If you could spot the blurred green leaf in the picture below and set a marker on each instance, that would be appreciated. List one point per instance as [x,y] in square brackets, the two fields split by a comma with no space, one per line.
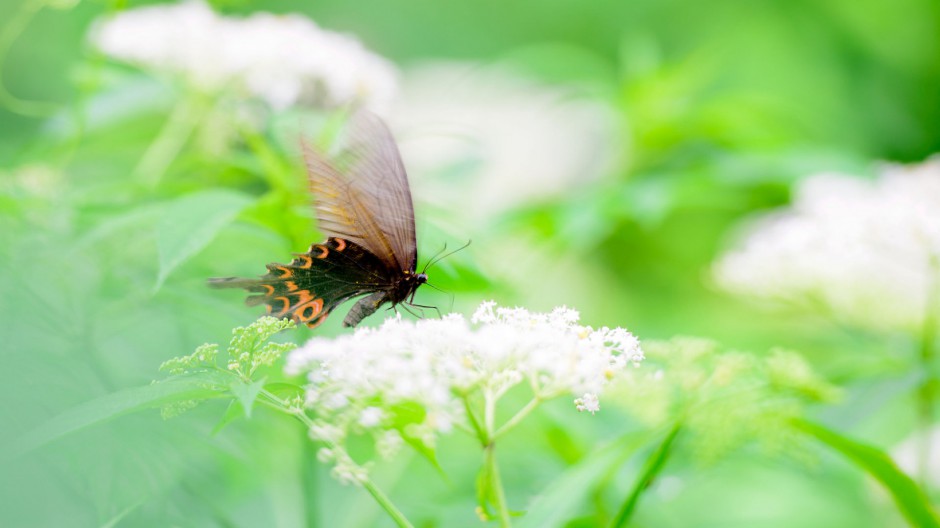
[232,412]
[566,494]
[203,386]
[654,464]
[910,499]
[191,222]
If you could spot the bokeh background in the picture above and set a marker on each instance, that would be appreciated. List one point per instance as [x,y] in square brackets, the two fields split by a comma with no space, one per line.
[599,155]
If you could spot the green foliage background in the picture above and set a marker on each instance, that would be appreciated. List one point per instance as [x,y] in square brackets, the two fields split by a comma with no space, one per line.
[726,104]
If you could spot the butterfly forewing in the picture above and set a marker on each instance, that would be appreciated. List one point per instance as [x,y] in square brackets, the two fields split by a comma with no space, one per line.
[366,198]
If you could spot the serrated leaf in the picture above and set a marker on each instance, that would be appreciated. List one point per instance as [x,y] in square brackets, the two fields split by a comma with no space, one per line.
[190,223]
[246,394]
[910,499]
[110,406]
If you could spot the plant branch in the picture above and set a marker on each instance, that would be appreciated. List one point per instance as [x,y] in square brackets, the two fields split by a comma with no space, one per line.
[925,394]
[497,493]
[170,140]
[519,416]
[380,497]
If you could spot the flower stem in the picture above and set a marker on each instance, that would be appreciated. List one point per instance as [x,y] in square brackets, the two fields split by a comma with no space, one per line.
[512,422]
[654,464]
[271,400]
[927,357]
[170,140]
[497,494]
[386,504]
[8,35]
[472,417]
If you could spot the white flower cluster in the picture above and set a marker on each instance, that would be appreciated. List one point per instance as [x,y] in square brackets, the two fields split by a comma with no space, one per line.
[865,251]
[364,381]
[280,59]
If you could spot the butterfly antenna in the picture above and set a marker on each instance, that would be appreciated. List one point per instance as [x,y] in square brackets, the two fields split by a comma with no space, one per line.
[434,256]
[435,259]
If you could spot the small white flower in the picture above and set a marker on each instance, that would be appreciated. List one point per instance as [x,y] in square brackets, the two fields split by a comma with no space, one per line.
[371,417]
[863,250]
[389,444]
[588,402]
[280,59]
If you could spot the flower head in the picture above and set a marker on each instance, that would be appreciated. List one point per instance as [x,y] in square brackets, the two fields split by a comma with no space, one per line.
[416,377]
[280,59]
[865,251]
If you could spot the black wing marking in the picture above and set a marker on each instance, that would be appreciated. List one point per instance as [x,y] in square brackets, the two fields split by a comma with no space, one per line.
[314,283]
[368,201]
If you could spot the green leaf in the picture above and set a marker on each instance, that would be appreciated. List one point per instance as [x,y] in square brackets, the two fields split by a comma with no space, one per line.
[233,411]
[560,501]
[246,393]
[190,223]
[410,413]
[654,464]
[117,404]
[909,498]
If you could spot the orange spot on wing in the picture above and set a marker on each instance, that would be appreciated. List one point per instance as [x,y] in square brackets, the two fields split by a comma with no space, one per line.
[340,244]
[268,289]
[325,250]
[318,321]
[282,311]
[304,261]
[291,286]
[303,297]
[308,311]
[285,272]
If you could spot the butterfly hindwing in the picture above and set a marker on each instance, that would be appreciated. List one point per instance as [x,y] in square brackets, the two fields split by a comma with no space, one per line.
[314,283]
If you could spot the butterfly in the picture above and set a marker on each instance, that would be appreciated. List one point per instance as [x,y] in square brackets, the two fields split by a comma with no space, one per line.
[363,204]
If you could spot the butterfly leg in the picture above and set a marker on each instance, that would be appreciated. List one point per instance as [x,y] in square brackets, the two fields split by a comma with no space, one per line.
[418,315]
[420,306]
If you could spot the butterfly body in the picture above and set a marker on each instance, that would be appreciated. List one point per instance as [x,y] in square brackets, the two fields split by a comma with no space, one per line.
[366,210]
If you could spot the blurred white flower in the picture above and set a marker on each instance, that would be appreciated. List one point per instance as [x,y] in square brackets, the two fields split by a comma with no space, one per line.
[280,59]
[909,452]
[866,251]
[489,138]
[588,402]
[417,377]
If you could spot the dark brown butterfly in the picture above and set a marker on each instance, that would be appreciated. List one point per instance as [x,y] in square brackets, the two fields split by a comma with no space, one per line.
[363,204]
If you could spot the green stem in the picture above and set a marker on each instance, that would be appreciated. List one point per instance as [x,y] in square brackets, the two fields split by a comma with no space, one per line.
[472,417]
[498,494]
[271,400]
[512,422]
[8,36]
[654,464]
[925,395]
[179,126]
[386,504]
